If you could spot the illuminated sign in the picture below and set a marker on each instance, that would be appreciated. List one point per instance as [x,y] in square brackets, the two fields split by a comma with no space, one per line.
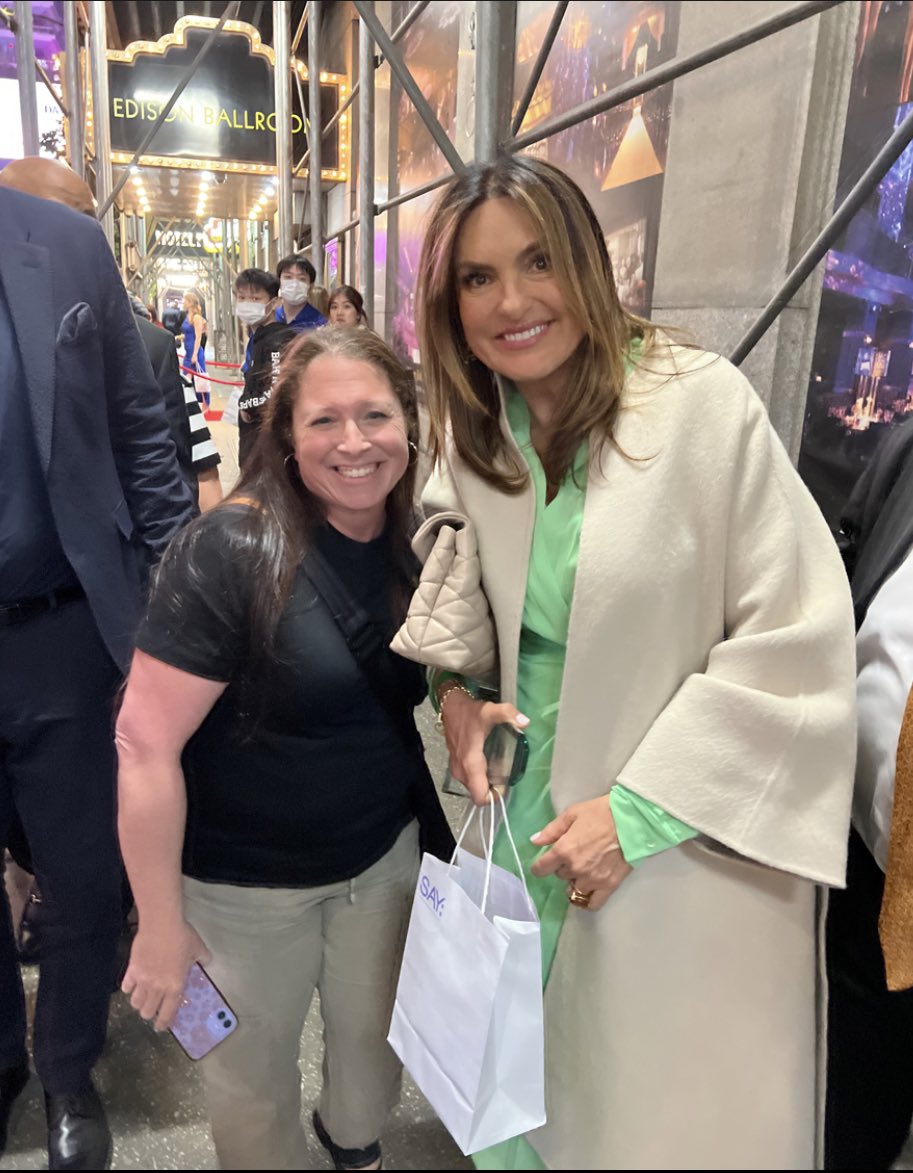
[225,119]
[872,363]
[188,237]
[880,363]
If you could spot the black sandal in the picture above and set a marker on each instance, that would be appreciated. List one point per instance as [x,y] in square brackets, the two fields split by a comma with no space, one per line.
[347,1158]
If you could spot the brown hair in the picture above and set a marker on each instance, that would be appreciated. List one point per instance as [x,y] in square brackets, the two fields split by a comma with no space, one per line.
[286,513]
[351,294]
[319,297]
[461,391]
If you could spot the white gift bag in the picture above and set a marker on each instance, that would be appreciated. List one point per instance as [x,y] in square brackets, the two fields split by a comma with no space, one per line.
[230,411]
[203,388]
[468,1022]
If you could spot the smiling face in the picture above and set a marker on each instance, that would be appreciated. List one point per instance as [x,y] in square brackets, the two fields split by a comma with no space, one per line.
[349,436]
[512,309]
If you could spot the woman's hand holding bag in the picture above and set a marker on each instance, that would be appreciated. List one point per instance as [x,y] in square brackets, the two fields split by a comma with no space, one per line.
[467,722]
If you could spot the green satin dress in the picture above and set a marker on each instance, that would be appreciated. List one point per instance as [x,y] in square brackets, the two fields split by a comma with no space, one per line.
[643,828]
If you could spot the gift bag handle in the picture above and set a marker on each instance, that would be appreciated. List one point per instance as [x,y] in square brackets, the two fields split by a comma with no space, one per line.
[489,848]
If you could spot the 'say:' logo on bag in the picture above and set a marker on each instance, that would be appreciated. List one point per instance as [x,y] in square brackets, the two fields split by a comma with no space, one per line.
[430,893]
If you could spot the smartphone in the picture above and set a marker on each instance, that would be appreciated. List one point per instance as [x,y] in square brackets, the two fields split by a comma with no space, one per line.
[204,1018]
[506,751]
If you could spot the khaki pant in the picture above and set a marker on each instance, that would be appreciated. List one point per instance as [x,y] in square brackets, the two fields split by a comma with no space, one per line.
[271,948]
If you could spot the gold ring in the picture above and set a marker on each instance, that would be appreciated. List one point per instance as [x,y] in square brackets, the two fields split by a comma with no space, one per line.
[581,899]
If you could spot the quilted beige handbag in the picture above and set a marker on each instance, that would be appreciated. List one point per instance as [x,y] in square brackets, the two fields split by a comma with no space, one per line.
[449,624]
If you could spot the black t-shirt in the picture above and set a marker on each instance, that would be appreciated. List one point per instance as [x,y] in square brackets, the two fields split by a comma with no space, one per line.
[321,785]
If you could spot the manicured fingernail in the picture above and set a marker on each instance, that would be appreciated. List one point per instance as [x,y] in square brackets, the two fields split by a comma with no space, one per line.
[521,720]
[535,838]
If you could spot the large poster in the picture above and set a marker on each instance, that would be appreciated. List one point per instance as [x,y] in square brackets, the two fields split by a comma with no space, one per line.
[432,55]
[619,157]
[47,27]
[861,383]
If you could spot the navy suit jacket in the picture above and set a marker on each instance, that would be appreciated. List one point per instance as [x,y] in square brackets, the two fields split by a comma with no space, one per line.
[115,488]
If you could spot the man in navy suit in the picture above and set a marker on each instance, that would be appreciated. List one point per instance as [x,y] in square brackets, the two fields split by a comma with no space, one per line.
[90,494]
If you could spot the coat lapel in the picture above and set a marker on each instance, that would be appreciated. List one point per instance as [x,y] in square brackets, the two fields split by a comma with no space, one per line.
[25,269]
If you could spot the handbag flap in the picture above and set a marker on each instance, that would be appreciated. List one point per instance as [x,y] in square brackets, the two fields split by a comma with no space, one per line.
[449,625]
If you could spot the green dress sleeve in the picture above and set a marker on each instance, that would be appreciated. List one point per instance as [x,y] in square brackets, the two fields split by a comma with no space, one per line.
[438,676]
[644,829]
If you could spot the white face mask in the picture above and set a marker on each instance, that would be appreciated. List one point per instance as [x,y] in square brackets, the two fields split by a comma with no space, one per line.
[251,313]
[294,291]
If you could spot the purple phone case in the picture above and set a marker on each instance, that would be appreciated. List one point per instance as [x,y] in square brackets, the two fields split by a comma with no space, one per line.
[204,1018]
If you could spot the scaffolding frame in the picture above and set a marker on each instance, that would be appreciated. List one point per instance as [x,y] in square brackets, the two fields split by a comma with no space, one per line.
[495,133]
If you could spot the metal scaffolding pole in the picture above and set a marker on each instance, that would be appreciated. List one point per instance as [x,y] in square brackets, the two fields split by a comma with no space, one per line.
[74,93]
[228,330]
[491,110]
[283,84]
[366,165]
[340,232]
[409,84]
[98,54]
[122,220]
[229,14]
[546,48]
[406,23]
[299,32]
[406,196]
[314,137]
[25,71]
[672,70]
[865,185]
[49,86]
[400,31]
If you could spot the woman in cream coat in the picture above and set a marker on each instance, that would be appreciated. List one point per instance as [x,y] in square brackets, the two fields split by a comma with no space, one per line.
[674,623]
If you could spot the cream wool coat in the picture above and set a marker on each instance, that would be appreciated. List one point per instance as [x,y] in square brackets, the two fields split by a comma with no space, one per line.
[711,669]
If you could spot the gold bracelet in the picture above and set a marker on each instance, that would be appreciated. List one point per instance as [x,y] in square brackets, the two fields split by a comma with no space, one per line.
[454,686]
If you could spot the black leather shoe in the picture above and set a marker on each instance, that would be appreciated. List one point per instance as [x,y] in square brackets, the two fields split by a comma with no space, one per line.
[78,1132]
[12,1081]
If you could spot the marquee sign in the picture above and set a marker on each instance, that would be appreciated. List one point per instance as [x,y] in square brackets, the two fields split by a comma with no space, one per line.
[188,236]
[225,119]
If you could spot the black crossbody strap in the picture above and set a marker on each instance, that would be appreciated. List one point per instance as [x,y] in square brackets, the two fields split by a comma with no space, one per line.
[362,637]
[367,648]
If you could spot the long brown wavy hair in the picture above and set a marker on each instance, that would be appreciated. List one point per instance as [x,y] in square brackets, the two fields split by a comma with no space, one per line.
[284,514]
[462,394]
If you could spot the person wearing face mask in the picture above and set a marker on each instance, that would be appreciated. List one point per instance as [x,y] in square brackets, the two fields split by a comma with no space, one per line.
[256,299]
[296,276]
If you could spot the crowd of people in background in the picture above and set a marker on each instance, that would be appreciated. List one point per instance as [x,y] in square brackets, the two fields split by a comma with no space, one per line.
[674,630]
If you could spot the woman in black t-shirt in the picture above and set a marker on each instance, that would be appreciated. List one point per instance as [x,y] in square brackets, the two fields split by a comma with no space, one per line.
[271,787]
